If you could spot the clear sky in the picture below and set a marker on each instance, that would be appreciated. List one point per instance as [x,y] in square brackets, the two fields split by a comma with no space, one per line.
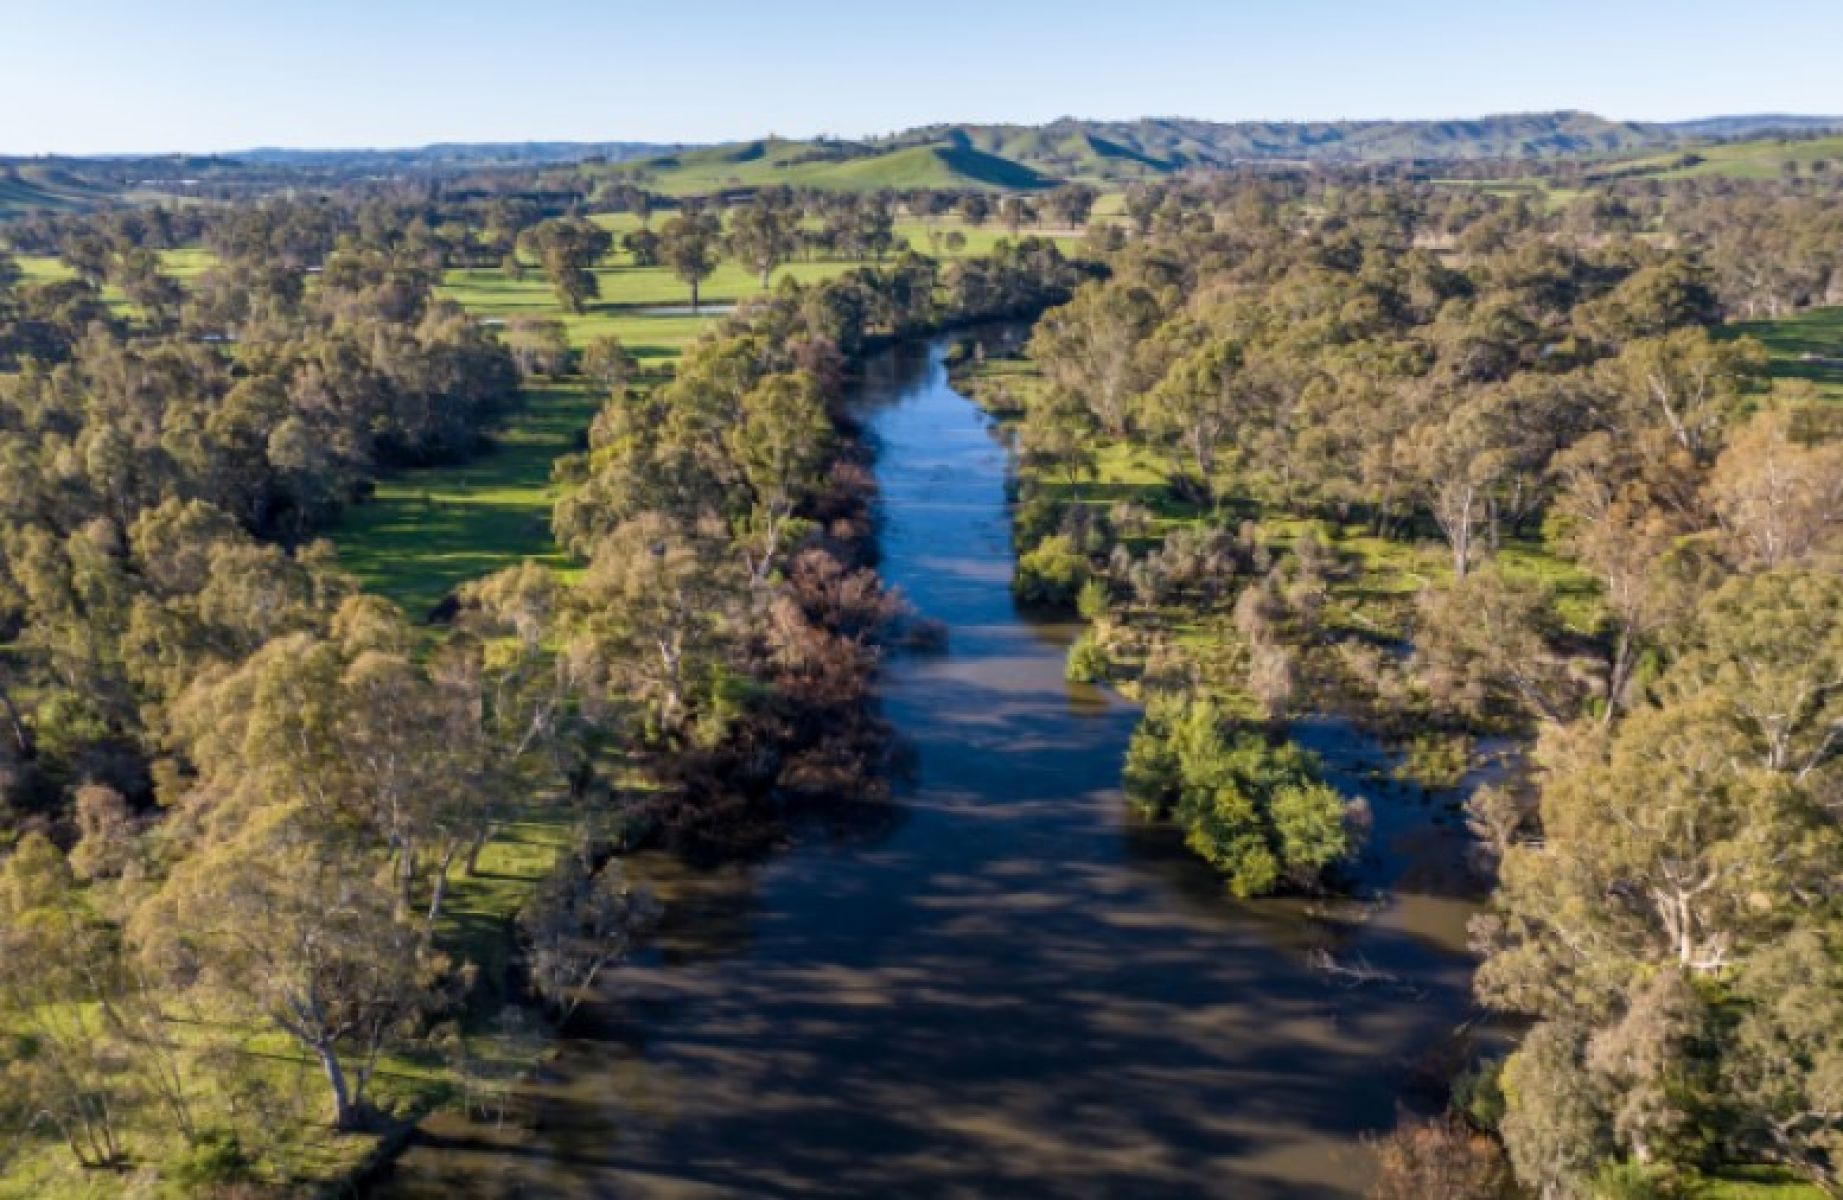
[85,76]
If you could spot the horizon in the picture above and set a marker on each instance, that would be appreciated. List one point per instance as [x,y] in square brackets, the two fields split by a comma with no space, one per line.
[210,77]
[773,135]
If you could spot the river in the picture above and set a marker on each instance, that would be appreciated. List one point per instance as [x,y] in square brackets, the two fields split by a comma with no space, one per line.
[1011,986]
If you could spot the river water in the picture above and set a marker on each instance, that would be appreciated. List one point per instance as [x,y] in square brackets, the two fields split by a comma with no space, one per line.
[1010,986]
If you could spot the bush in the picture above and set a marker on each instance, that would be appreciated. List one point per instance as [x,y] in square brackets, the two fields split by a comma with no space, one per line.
[1479,1095]
[1094,600]
[1441,1158]
[1254,809]
[214,1161]
[1052,574]
[1088,661]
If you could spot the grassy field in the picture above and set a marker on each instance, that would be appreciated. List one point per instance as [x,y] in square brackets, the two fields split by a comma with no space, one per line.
[426,531]
[1817,333]
[1551,198]
[1763,158]
[776,161]
[33,188]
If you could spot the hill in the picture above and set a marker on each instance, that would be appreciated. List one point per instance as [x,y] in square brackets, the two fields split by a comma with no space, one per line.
[1022,157]
[453,155]
[951,164]
[1127,148]
[34,188]
[1758,158]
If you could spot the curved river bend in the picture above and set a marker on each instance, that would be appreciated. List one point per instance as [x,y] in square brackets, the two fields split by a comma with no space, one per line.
[1011,987]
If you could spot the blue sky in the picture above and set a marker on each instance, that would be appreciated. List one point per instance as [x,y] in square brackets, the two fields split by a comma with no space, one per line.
[83,76]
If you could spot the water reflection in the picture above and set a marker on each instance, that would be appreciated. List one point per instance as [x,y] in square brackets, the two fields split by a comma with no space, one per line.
[1018,988]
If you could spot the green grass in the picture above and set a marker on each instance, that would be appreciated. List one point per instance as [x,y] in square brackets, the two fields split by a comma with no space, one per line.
[1817,332]
[1761,158]
[1755,1183]
[427,531]
[774,161]
[1376,593]
[32,188]
[1550,197]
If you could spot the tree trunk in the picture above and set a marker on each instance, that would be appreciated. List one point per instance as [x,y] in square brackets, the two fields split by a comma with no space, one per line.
[440,888]
[475,847]
[336,1084]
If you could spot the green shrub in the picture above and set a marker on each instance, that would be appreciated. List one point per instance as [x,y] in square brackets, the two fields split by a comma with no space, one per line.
[1252,808]
[1478,1095]
[1052,574]
[1094,600]
[1088,661]
[215,1160]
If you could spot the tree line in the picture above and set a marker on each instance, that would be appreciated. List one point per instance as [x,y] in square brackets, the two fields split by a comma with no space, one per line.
[1640,579]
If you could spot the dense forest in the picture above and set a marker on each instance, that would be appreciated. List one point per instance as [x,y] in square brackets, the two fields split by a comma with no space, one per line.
[1237,450]
[237,787]
[1469,464]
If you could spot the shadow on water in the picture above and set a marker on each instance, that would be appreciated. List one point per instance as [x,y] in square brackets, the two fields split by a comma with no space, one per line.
[1017,988]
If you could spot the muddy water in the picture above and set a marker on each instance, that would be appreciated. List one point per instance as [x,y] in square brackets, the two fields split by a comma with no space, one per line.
[1009,987]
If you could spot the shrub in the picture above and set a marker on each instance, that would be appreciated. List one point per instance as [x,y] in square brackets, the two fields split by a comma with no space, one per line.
[1052,574]
[1088,661]
[1254,809]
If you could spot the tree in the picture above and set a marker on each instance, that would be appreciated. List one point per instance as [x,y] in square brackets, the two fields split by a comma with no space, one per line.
[539,345]
[1015,211]
[1460,461]
[1779,502]
[643,245]
[1254,810]
[1196,409]
[780,447]
[1785,1068]
[1091,347]
[1765,659]
[606,361]
[1485,646]
[1687,383]
[580,922]
[1072,204]
[688,245]
[567,247]
[277,922]
[1554,1129]
[1628,545]
[660,603]
[61,1060]
[763,234]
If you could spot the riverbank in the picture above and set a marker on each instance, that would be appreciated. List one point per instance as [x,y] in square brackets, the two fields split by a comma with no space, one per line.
[1009,984]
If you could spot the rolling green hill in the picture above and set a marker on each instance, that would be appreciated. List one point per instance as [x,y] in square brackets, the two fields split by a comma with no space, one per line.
[1024,157]
[31,188]
[1757,158]
[1123,149]
[842,166]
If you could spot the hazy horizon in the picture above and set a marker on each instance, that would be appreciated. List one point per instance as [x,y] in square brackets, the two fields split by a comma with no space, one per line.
[617,139]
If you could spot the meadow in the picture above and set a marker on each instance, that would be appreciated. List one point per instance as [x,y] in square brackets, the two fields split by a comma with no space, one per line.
[1806,348]
[428,530]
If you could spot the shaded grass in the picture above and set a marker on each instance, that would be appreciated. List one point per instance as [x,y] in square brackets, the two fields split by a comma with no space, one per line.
[1375,592]
[1817,333]
[427,531]
[1759,158]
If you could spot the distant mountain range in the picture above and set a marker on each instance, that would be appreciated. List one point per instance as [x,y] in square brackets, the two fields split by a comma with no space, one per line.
[461,155]
[948,156]
[1020,157]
